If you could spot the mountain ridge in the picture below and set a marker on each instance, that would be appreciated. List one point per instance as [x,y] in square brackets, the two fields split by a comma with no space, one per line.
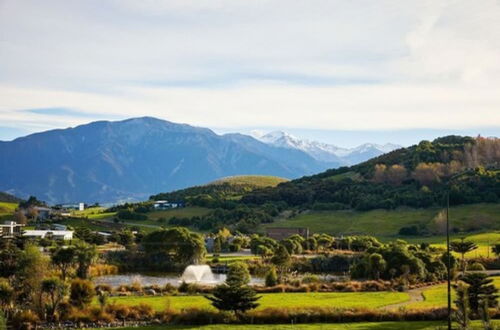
[134,158]
[326,152]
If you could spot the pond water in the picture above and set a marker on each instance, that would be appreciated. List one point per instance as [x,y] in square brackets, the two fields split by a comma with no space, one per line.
[159,279]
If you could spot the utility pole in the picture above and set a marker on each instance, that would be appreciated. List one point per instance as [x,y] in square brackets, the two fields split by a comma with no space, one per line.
[449,255]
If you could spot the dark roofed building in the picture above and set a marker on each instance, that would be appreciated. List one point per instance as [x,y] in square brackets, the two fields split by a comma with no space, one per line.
[279,233]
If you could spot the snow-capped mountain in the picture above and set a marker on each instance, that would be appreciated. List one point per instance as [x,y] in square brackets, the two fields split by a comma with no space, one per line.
[326,152]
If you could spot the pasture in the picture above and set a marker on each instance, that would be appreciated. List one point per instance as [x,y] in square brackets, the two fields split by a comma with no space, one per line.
[316,299]
[6,210]
[386,224]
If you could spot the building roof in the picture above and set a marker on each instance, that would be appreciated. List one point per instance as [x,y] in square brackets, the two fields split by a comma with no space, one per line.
[42,233]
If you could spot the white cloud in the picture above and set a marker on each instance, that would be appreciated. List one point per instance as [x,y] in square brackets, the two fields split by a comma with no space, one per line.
[311,64]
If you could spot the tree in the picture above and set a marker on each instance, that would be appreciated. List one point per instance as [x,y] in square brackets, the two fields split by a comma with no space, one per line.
[396,174]
[271,277]
[64,259]
[325,241]
[480,288]
[33,266]
[54,290]
[281,260]
[463,247]
[85,256]
[311,244]
[496,249]
[20,217]
[235,294]
[462,303]
[81,293]
[102,297]
[376,265]
[6,295]
[264,251]
[177,244]
[217,245]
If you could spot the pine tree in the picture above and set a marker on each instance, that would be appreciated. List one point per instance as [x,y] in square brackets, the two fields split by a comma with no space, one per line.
[281,260]
[462,303]
[463,247]
[271,277]
[480,288]
[235,294]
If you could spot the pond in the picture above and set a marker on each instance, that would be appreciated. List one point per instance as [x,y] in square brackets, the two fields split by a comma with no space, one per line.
[159,279]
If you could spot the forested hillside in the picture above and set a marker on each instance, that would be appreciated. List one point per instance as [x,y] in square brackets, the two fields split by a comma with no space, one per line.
[418,176]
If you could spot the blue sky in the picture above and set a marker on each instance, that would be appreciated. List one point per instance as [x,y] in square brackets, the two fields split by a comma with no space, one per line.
[343,72]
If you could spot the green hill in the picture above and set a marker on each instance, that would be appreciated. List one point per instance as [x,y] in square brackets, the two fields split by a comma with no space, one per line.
[257,181]
[386,224]
[224,190]
[418,176]
[8,198]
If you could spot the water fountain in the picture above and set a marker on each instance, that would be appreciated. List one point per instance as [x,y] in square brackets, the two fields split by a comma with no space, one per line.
[198,274]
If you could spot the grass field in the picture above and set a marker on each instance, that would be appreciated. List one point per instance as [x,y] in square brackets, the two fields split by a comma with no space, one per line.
[322,299]
[229,259]
[185,212]
[386,223]
[418,325]
[6,210]
[252,180]
[436,296]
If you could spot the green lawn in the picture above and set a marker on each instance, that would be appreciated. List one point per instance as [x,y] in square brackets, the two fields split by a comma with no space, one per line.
[313,299]
[223,258]
[437,296]
[420,325]
[6,210]
[252,180]
[185,212]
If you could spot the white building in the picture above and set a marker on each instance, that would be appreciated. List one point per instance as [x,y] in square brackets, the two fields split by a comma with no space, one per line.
[10,229]
[163,205]
[65,235]
[81,206]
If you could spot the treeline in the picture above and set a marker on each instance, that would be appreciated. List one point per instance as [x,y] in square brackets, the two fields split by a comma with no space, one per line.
[419,176]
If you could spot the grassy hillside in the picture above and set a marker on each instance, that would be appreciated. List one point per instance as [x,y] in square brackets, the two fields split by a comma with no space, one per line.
[8,198]
[6,210]
[386,224]
[257,181]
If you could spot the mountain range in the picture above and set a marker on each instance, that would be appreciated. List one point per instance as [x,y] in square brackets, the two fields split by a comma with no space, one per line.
[324,152]
[117,161]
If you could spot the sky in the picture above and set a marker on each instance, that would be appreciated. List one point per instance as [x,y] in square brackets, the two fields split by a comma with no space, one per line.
[343,72]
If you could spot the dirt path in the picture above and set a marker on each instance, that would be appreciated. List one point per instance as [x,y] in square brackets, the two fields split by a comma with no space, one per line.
[415,296]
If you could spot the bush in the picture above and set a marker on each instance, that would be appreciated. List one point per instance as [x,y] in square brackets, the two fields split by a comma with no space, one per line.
[476,266]
[271,277]
[310,279]
[81,293]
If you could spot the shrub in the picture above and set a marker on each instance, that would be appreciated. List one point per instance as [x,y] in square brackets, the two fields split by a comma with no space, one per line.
[271,277]
[81,293]
[310,279]
[476,266]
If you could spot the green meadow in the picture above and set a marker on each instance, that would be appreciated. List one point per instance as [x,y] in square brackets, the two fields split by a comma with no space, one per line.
[386,224]
[313,299]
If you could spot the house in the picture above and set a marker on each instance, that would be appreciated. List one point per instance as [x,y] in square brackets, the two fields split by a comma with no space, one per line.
[57,226]
[44,213]
[165,205]
[10,229]
[279,233]
[65,235]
